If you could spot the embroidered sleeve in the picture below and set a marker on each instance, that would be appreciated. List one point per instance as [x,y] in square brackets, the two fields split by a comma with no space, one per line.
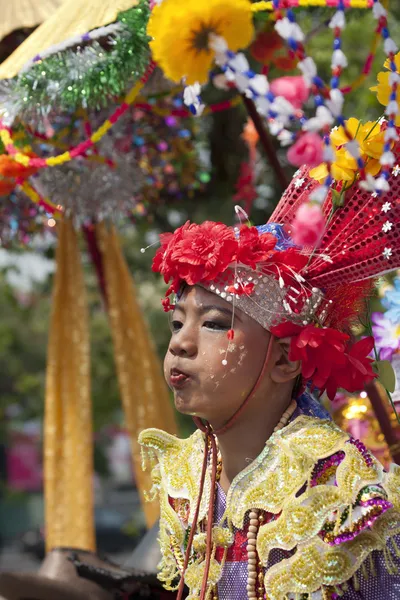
[344,520]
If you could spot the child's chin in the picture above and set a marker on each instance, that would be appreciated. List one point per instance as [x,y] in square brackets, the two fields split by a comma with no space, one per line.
[185,404]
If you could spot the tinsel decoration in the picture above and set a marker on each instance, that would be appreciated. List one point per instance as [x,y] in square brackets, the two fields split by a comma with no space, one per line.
[86,76]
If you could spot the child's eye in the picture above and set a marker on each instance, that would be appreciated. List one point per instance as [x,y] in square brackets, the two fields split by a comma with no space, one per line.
[176,326]
[216,326]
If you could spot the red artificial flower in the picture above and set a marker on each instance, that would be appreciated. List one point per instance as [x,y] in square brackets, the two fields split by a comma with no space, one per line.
[328,361]
[162,258]
[357,371]
[196,253]
[254,247]
[167,306]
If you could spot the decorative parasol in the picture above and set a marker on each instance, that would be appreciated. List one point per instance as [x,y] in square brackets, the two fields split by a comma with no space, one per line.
[23,13]
[73,18]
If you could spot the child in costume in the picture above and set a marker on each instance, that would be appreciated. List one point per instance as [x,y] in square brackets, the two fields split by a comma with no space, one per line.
[269,499]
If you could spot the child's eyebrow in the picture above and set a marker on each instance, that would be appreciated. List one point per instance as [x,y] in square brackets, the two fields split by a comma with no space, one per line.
[205,308]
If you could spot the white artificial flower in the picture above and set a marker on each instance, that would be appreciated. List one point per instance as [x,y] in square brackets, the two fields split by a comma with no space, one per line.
[263,105]
[382,185]
[323,118]
[391,134]
[386,207]
[338,20]
[368,183]
[284,28]
[393,78]
[242,82]
[191,97]
[378,10]
[218,44]
[387,253]
[389,46]
[392,108]
[297,33]
[387,158]
[239,63]
[308,68]
[282,107]
[328,154]
[285,137]
[335,103]
[339,59]
[259,84]
[354,148]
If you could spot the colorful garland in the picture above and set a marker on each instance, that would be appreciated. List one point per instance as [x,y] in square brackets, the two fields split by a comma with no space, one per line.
[38,199]
[82,147]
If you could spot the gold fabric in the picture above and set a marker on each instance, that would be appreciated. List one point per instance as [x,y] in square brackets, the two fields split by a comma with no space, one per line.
[144,393]
[68,447]
[25,13]
[74,17]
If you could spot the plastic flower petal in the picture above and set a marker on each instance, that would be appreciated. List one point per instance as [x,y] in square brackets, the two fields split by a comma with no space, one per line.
[383,88]
[386,334]
[189,54]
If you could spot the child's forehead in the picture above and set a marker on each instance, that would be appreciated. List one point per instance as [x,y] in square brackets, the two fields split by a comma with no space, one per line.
[198,297]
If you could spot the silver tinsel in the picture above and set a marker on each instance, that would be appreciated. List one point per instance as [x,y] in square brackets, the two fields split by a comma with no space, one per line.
[88,189]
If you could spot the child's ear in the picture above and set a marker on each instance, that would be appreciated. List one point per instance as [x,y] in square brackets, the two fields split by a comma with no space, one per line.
[284,369]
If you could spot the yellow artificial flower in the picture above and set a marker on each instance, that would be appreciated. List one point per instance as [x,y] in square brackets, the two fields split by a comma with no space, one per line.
[181,28]
[383,89]
[371,139]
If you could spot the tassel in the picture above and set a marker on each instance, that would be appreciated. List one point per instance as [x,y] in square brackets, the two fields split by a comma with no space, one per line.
[68,445]
[395,546]
[390,566]
[372,565]
[356,582]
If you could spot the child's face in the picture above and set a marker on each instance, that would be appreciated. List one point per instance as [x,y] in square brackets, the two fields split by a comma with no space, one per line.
[193,367]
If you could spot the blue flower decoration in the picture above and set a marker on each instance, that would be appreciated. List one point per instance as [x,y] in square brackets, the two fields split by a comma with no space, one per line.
[391,302]
[284,240]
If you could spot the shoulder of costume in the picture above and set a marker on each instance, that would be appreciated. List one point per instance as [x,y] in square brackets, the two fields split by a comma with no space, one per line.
[176,466]
[334,505]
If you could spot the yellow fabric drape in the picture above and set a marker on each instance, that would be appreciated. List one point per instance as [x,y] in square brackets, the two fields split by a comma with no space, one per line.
[73,18]
[144,393]
[68,446]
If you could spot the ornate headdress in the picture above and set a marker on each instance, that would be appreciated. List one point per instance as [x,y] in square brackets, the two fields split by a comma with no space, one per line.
[311,294]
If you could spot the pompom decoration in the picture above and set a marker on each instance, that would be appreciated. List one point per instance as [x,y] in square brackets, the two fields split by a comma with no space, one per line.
[308,226]
[307,150]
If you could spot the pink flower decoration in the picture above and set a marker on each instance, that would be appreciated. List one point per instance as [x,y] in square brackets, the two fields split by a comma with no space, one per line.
[308,150]
[293,88]
[308,225]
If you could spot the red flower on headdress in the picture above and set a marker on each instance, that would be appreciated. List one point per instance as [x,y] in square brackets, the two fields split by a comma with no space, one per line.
[328,361]
[254,247]
[358,369]
[196,253]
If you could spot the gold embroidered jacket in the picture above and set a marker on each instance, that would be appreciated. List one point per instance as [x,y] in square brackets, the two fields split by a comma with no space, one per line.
[332,505]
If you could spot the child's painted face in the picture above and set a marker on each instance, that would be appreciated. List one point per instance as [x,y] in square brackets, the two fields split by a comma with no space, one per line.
[193,367]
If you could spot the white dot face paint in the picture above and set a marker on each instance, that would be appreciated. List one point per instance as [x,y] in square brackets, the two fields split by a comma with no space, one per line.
[199,345]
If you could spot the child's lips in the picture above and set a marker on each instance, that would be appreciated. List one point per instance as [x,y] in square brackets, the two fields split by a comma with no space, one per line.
[178,378]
